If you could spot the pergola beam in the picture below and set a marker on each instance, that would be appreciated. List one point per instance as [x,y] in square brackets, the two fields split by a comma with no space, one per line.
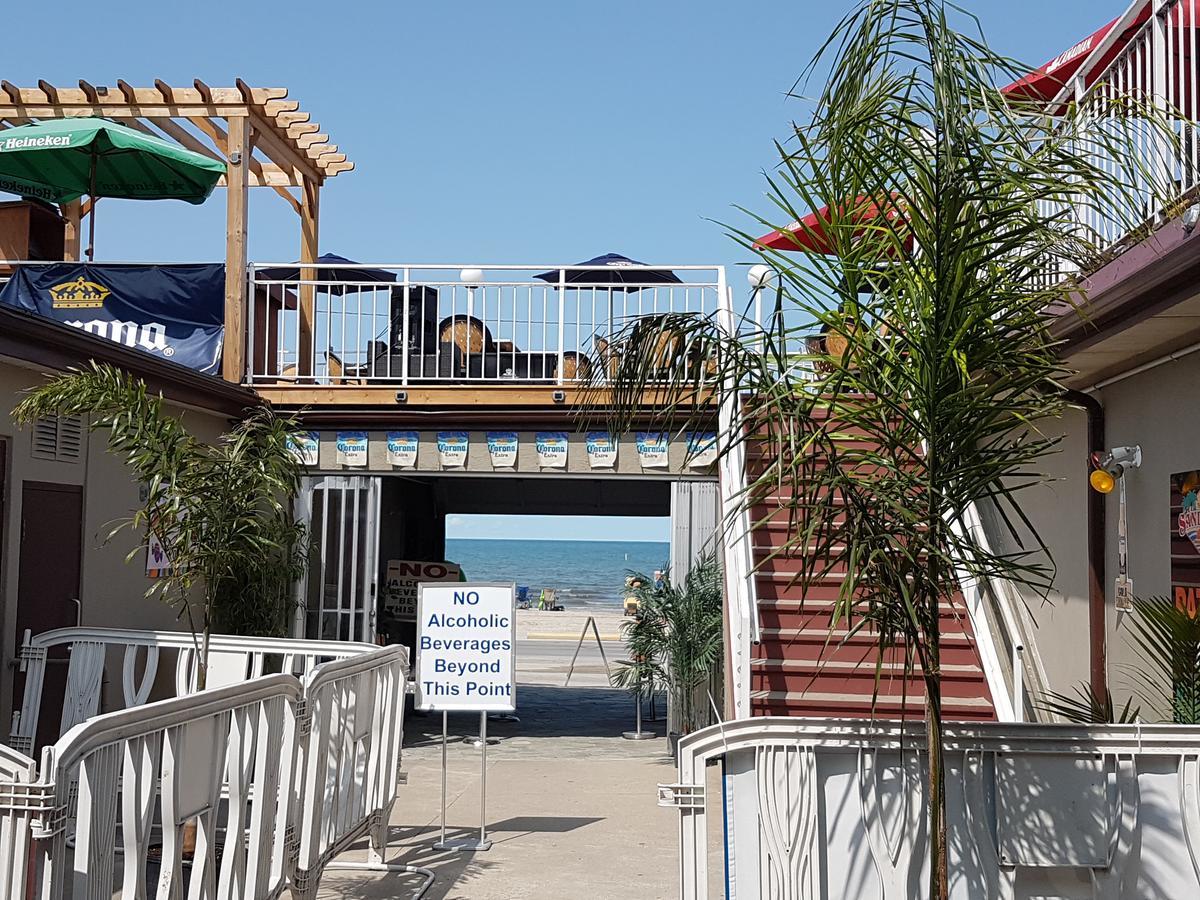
[262,137]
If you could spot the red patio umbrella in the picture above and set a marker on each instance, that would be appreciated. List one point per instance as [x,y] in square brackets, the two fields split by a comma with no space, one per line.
[809,233]
[1045,82]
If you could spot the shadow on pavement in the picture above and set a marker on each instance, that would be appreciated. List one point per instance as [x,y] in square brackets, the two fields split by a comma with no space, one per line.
[545,711]
[412,846]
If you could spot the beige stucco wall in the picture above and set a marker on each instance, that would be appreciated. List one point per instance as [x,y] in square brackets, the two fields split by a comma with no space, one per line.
[1058,619]
[1153,409]
[112,591]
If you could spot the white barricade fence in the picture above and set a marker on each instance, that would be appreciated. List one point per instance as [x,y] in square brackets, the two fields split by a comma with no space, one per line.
[128,783]
[300,769]
[94,654]
[349,768]
[836,808]
[22,801]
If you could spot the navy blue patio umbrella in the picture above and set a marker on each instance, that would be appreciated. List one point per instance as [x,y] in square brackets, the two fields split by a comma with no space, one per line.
[619,272]
[292,273]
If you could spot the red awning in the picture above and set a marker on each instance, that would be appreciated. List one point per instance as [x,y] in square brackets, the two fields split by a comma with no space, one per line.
[810,232]
[1044,83]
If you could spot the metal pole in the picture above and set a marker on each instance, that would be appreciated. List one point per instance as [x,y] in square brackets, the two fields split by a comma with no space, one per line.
[638,735]
[483,841]
[444,716]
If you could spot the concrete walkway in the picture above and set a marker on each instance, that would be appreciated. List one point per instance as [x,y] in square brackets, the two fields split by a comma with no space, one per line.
[570,804]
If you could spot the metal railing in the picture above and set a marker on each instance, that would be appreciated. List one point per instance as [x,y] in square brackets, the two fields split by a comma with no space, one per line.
[95,655]
[274,776]
[122,788]
[1156,68]
[837,808]
[349,770]
[429,324]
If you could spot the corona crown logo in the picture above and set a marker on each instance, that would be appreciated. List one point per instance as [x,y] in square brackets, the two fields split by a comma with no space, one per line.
[78,294]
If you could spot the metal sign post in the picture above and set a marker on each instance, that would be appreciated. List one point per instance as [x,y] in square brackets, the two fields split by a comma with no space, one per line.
[466,636]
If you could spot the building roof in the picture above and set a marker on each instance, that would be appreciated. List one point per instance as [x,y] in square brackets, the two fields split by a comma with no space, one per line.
[1142,305]
[42,343]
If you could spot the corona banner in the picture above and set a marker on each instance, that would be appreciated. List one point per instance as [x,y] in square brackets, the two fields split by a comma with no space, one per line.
[173,312]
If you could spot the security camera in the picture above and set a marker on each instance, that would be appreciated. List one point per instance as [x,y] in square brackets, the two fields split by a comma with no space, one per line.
[1109,465]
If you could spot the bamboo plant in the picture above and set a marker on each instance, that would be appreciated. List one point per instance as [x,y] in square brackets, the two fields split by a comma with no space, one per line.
[905,370]
[221,511]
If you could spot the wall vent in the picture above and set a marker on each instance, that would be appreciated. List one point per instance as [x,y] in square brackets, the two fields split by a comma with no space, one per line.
[58,438]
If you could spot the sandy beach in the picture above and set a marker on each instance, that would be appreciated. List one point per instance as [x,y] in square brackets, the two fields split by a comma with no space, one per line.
[533,624]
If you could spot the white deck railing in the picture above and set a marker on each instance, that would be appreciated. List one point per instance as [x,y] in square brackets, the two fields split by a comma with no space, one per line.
[1157,68]
[94,655]
[427,325]
[836,809]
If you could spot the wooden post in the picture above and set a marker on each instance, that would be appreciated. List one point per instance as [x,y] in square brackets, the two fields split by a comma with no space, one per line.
[72,213]
[310,215]
[237,184]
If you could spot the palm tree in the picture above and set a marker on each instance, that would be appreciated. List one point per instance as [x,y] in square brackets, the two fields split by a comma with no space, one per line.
[675,639]
[946,205]
[1165,679]
[221,511]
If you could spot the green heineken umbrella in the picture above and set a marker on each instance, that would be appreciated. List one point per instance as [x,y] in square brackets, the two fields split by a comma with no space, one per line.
[60,160]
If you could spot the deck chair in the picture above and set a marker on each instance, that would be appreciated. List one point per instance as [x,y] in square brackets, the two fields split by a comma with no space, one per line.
[338,372]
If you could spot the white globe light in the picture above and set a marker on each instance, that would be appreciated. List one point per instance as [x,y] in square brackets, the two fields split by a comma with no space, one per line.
[471,276]
[760,276]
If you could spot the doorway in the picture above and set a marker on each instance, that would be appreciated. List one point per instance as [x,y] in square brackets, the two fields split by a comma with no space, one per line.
[48,583]
[342,582]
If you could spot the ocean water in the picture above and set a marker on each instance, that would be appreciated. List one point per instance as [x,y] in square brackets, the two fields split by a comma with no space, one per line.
[585,573]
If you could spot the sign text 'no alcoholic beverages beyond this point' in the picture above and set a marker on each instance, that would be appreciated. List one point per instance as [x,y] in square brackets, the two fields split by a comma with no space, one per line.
[465,641]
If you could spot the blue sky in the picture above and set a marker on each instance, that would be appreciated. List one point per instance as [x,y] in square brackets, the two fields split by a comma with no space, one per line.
[518,132]
[484,132]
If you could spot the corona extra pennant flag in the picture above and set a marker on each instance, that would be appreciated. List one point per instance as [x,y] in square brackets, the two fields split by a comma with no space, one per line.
[173,312]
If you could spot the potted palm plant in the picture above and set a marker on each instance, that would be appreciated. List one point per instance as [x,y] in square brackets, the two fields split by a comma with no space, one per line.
[675,639]
[221,511]
[1164,681]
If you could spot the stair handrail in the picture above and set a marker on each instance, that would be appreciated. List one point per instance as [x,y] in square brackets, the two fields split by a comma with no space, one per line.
[1019,673]
[736,533]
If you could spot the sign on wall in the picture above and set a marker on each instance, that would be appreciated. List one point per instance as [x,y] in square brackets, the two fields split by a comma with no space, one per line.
[1185,541]
[306,447]
[452,448]
[601,450]
[402,448]
[701,449]
[552,449]
[466,635]
[404,576]
[352,448]
[652,449]
[502,447]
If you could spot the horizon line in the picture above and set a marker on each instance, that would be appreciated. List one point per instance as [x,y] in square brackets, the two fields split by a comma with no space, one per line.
[565,540]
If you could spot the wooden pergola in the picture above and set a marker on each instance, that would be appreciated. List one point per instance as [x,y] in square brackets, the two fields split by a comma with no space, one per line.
[262,138]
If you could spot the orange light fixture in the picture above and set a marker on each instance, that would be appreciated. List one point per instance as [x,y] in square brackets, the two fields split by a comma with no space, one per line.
[1102,481]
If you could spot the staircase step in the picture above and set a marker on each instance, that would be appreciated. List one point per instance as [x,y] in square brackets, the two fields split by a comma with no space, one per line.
[816,645]
[811,704]
[859,680]
[818,618]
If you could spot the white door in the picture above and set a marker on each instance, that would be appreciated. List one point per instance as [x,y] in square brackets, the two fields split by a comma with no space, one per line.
[340,589]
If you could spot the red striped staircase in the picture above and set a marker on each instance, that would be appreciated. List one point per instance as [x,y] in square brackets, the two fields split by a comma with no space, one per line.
[800,668]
